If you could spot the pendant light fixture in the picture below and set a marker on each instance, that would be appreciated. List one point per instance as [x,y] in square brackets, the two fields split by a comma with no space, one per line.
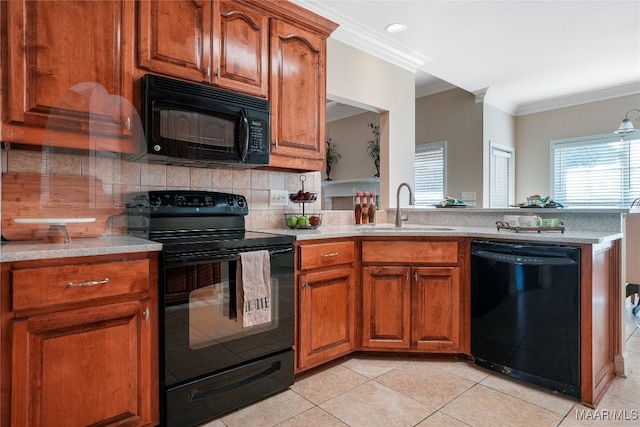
[626,126]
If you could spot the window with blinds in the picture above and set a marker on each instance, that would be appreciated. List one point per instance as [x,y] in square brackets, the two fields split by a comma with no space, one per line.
[596,171]
[429,173]
[501,180]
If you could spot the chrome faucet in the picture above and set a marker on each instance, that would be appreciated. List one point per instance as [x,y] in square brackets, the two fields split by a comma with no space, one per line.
[399,217]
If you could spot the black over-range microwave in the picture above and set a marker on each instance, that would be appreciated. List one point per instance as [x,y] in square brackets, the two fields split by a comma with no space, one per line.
[187,123]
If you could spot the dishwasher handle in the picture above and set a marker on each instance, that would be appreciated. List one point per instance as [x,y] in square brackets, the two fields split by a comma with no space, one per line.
[522,259]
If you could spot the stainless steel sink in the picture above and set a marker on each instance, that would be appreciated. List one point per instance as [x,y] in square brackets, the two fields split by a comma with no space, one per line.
[406,228]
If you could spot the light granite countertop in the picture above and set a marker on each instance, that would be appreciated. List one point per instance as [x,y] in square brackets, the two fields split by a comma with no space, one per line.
[34,249]
[568,237]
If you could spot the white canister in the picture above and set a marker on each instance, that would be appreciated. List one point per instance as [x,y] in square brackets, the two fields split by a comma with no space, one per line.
[512,220]
[529,221]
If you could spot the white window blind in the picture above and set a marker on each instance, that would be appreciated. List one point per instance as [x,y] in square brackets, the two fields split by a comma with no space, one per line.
[430,173]
[597,171]
[501,180]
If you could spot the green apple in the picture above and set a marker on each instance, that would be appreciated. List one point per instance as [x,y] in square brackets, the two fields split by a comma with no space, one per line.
[303,221]
[292,221]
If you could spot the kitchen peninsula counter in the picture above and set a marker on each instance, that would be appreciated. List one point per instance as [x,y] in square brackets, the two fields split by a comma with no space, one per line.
[36,249]
[422,230]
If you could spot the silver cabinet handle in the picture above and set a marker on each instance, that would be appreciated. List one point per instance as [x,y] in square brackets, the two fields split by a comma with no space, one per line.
[275,143]
[415,276]
[127,123]
[89,283]
[217,73]
[304,285]
[406,275]
[207,71]
[145,314]
[331,255]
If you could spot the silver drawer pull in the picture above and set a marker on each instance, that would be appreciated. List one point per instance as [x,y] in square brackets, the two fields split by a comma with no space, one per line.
[90,283]
[331,255]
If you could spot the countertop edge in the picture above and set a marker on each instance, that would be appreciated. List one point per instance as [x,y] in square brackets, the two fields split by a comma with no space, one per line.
[12,251]
[332,232]
[34,250]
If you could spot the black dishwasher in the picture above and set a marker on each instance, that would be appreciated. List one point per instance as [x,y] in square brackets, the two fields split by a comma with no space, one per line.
[525,312]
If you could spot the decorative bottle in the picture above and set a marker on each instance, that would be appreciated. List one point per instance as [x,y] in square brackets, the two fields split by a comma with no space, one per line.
[358,208]
[365,209]
[372,208]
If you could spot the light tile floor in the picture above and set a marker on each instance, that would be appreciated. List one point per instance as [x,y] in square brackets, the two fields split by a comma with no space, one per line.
[390,391]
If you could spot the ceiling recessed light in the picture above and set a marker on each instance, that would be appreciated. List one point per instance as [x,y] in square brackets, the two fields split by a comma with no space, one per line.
[396,28]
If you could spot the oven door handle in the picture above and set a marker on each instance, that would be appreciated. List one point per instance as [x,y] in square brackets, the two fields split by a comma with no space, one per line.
[213,392]
[176,260]
[280,251]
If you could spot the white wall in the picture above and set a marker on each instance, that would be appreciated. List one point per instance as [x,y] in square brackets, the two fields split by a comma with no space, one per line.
[364,80]
[497,127]
[453,116]
[533,132]
[349,137]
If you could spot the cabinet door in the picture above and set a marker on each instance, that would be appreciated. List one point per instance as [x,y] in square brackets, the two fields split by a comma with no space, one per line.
[298,97]
[386,311]
[174,38]
[241,51]
[70,66]
[435,308]
[83,367]
[327,315]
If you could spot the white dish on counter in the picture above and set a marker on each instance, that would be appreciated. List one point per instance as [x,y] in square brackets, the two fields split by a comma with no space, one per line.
[61,221]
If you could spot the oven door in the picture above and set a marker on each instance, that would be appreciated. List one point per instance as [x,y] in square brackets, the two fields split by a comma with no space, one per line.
[202,334]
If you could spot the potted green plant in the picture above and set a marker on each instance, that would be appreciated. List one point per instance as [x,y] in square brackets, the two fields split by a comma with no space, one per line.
[331,157]
[373,146]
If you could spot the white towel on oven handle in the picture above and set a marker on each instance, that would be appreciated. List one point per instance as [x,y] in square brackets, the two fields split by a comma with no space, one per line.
[253,288]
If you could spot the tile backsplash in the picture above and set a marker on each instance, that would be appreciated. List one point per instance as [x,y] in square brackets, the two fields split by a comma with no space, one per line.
[120,178]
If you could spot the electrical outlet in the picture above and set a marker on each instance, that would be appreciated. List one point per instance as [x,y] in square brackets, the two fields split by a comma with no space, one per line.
[278,197]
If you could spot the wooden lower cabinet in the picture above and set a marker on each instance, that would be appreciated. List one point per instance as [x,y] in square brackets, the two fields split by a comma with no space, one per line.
[87,365]
[79,342]
[386,311]
[327,305]
[326,314]
[413,296]
[600,297]
[435,308]
[411,307]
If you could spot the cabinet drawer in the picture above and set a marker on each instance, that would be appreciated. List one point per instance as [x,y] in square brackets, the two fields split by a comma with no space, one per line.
[326,254]
[47,286]
[389,251]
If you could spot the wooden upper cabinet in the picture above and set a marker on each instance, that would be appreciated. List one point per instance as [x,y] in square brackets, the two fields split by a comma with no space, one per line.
[298,97]
[174,38]
[214,42]
[69,69]
[242,56]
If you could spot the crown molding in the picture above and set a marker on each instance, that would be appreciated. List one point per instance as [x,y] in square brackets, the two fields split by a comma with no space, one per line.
[480,94]
[578,99]
[356,35]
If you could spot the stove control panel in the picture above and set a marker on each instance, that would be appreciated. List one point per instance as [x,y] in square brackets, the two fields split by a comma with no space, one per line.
[191,202]
[195,200]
